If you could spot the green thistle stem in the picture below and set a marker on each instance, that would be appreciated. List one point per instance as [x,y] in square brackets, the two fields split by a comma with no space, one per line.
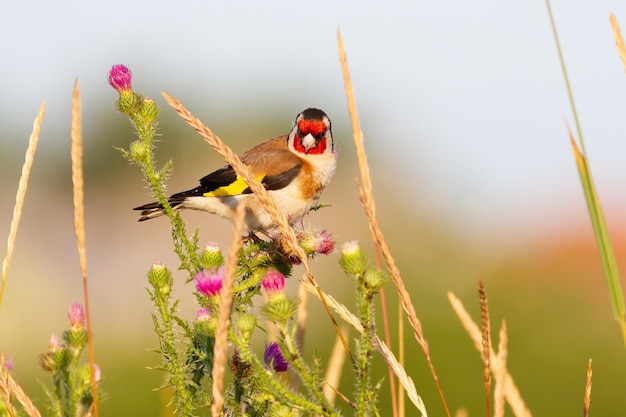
[308,377]
[268,382]
[168,346]
[364,403]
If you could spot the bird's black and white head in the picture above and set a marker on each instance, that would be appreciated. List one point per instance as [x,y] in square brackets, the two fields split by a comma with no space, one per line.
[311,134]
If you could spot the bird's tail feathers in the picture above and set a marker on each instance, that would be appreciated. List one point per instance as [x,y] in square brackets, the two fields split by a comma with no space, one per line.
[155,209]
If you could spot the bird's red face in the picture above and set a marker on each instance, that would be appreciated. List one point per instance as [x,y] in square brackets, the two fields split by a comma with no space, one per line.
[311,134]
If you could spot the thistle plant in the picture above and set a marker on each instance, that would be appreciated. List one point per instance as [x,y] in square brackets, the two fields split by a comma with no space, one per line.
[188,347]
[262,267]
[71,393]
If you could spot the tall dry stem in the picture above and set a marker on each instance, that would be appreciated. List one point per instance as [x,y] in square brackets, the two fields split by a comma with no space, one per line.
[619,40]
[486,342]
[223,315]
[587,398]
[21,194]
[499,398]
[379,346]
[512,394]
[76,153]
[367,201]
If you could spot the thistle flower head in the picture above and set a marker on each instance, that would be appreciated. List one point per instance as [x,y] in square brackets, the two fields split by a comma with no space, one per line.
[273,283]
[324,243]
[120,78]
[8,364]
[209,282]
[317,242]
[274,357]
[53,344]
[76,314]
[202,315]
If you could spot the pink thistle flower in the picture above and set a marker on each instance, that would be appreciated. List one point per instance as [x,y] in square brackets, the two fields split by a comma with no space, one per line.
[273,283]
[202,315]
[76,314]
[274,357]
[97,373]
[209,282]
[53,344]
[120,78]
[324,243]
[8,364]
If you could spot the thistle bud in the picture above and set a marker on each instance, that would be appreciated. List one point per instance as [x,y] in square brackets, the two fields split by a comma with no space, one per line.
[160,278]
[211,256]
[139,151]
[353,259]
[129,102]
[149,111]
[375,279]
[245,324]
[205,324]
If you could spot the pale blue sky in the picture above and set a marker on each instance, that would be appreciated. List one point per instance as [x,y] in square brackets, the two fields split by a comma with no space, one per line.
[466,97]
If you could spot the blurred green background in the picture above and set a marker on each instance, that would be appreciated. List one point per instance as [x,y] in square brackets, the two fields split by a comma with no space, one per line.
[462,109]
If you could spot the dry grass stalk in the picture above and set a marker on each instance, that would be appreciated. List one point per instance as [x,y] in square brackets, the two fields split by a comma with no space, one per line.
[364,172]
[10,389]
[279,218]
[486,341]
[335,366]
[511,392]
[401,403]
[379,345]
[76,153]
[499,399]
[223,315]
[21,194]
[619,40]
[587,399]
[367,201]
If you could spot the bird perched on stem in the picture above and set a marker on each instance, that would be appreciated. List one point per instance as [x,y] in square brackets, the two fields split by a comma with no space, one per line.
[294,168]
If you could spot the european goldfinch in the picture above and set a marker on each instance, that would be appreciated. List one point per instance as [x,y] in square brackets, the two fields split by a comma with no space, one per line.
[294,168]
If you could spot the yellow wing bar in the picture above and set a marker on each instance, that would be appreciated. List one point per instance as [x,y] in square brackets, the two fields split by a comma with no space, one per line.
[236,187]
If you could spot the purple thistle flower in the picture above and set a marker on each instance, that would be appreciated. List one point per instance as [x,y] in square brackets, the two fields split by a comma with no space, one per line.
[209,283]
[120,78]
[274,357]
[273,283]
[76,314]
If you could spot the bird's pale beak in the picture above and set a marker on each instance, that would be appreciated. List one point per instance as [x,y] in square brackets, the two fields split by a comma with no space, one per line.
[308,142]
